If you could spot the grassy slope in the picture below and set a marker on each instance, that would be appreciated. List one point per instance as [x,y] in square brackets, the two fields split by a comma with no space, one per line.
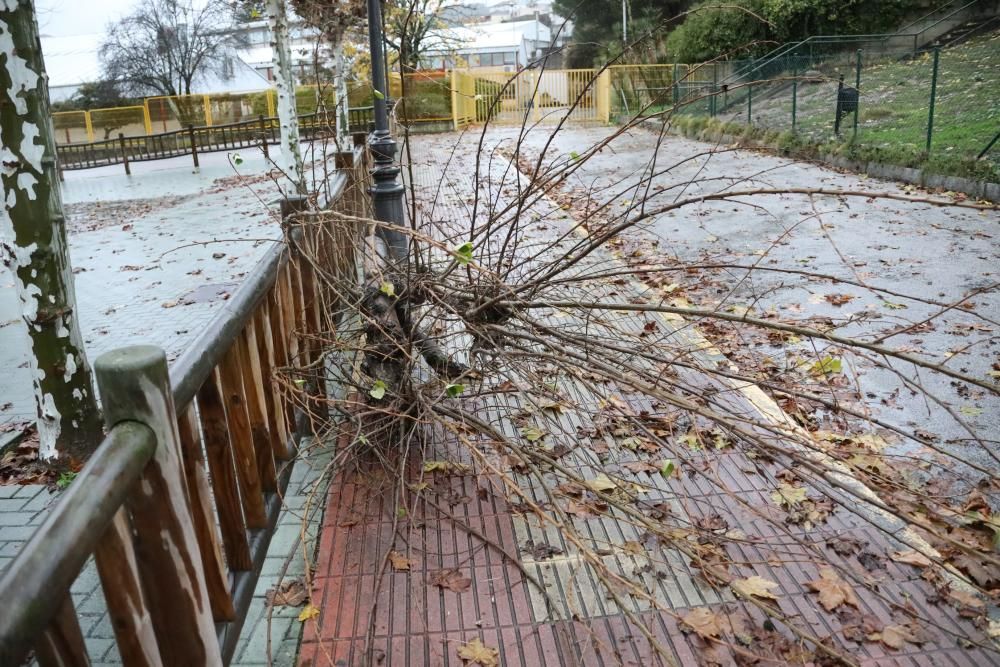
[894,111]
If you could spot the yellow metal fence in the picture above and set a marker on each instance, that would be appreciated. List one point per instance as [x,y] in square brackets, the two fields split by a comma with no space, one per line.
[168,113]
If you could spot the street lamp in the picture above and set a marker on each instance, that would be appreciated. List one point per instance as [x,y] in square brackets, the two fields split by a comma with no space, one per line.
[387,190]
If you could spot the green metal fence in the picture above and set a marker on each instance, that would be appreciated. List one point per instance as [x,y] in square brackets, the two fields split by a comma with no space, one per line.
[929,107]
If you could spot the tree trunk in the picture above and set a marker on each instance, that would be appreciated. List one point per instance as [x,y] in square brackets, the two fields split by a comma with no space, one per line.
[33,244]
[341,92]
[284,82]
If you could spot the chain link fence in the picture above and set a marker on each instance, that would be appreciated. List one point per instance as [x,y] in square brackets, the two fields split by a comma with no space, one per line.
[938,108]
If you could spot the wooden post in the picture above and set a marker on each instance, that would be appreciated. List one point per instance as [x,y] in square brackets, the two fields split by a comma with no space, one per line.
[121,144]
[194,146]
[122,588]
[135,386]
[200,497]
[263,136]
[62,643]
[223,475]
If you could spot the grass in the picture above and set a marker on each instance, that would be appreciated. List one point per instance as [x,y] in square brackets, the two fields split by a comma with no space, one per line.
[894,111]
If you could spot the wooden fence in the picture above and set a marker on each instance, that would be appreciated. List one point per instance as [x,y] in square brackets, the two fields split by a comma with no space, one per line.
[258,133]
[179,502]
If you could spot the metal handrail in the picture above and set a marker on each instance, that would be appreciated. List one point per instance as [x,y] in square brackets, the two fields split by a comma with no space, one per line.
[788,47]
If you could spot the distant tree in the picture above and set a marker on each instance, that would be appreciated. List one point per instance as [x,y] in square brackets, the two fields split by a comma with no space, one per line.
[408,24]
[164,45]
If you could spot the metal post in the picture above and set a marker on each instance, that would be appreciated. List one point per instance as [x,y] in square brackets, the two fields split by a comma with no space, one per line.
[121,144]
[750,104]
[930,111]
[857,87]
[715,90]
[386,190]
[676,86]
[795,94]
[194,145]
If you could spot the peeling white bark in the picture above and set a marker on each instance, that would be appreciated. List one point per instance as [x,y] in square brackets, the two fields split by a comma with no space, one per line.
[340,90]
[284,81]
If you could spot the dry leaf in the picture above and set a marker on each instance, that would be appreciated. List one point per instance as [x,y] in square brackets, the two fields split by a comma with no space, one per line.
[601,483]
[702,621]
[399,561]
[291,593]
[478,653]
[310,611]
[450,579]
[833,591]
[896,636]
[754,586]
[911,557]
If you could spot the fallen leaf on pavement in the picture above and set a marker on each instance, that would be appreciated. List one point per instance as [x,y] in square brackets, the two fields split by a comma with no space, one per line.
[911,557]
[310,611]
[451,579]
[291,593]
[703,621]
[399,561]
[833,591]
[478,653]
[754,586]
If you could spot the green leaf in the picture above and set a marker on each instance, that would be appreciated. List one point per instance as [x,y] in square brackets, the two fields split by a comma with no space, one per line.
[65,479]
[532,433]
[826,366]
[894,306]
[237,159]
[377,93]
[573,155]
[667,469]
[463,253]
[377,390]
[454,389]
[387,288]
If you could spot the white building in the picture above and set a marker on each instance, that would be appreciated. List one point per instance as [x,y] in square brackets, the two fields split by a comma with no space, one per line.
[306,47]
[510,46]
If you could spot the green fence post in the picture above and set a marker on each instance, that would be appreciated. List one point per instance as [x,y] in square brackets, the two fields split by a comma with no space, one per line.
[930,112]
[857,87]
[795,94]
[750,104]
[715,88]
[676,86]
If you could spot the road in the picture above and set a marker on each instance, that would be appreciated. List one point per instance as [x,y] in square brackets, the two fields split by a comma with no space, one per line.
[800,248]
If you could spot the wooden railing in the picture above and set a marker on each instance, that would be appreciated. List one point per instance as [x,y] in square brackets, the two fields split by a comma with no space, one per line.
[178,504]
[259,132]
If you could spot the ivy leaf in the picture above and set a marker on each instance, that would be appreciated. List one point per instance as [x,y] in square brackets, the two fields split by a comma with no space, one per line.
[237,159]
[463,253]
[454,390]
[378,390]
[377,93]
[387,288]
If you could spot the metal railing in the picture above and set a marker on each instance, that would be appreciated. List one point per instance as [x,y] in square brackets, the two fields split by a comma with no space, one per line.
[260,132]
[179,502]
[776,61]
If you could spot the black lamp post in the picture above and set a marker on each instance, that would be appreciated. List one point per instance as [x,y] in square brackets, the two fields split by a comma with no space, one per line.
[386,190]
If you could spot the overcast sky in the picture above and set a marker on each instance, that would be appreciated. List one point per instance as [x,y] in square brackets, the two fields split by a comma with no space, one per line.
[60,18]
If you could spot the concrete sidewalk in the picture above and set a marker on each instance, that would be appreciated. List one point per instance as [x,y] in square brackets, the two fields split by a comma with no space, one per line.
[154,254]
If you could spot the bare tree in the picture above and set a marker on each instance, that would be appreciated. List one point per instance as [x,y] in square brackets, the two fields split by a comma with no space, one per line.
[33,244]
[165,45]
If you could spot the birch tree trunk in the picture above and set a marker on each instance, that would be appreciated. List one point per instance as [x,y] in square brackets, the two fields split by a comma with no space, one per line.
[33,243]
[284,80]
[340,90]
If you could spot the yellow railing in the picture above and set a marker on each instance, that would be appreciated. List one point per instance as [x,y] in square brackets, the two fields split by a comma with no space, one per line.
[166,113]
